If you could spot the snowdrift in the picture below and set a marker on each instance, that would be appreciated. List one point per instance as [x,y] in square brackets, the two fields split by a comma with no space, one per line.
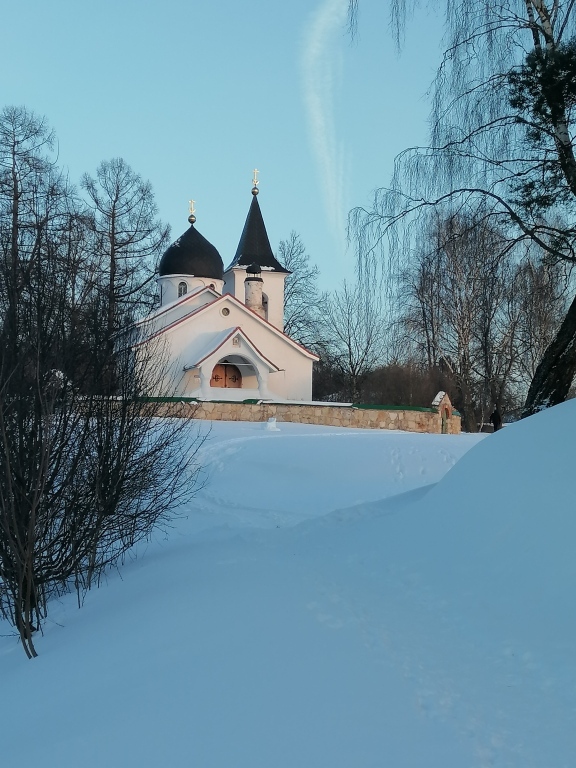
[508,514]
[327,604]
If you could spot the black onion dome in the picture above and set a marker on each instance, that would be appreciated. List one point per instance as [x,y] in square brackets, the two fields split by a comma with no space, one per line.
[192,254]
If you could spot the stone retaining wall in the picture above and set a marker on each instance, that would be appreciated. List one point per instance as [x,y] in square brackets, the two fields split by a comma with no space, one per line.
[426,420]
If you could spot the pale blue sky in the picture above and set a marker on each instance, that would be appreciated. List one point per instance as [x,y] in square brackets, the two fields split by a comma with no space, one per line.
[195,95]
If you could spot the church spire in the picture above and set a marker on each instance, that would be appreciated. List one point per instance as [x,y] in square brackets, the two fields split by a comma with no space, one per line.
[254,245]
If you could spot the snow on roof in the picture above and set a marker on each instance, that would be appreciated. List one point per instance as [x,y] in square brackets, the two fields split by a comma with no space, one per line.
[438,399]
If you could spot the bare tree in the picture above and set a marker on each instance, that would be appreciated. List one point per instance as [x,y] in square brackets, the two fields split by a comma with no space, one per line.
[353,335]
[542,291]
[454,292]
[303,301]
[129,238]
[86,469]
[502,134]
[25,143]
[84,478]
[480,309]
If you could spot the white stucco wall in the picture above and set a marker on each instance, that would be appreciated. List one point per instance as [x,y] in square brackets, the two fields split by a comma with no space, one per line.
[272,287]
[168,286]
[175,310]
[192,338]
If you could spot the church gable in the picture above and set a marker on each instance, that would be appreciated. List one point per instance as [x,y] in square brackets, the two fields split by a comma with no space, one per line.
[219,314]
[236,344]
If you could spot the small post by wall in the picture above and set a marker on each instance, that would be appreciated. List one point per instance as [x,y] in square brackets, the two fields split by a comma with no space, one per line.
[447,416]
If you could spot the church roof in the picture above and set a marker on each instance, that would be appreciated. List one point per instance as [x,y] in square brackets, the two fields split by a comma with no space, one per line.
[254,245]
[192,254]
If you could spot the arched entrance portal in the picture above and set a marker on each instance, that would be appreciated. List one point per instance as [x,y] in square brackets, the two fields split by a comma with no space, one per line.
[226,375]
[235,372]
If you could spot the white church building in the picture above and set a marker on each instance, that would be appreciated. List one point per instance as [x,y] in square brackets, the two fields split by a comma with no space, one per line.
[221,331]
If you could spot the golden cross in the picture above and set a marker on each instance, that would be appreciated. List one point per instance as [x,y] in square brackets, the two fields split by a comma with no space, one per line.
[255,179]
[192,209]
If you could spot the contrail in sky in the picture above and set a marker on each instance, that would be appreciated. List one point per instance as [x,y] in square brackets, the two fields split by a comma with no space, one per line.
[320,64]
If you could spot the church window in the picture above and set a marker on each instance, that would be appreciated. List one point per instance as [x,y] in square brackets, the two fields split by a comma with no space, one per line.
[225,311]
[182,289]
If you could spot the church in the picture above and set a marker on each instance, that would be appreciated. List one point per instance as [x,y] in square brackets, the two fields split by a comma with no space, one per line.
[221,331]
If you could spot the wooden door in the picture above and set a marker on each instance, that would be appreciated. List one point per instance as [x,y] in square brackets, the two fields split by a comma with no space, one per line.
[218,376]
[233,376]
[226,375]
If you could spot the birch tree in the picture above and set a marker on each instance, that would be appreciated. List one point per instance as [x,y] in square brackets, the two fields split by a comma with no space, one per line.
[458,314]
[503,115]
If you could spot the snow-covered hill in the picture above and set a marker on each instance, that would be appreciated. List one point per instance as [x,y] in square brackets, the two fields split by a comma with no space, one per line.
[326,604]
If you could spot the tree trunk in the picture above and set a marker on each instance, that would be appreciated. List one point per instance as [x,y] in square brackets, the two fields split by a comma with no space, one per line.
[554,375]
[469,422]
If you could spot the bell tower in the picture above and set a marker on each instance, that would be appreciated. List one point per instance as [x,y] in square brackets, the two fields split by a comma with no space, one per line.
[254,249]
